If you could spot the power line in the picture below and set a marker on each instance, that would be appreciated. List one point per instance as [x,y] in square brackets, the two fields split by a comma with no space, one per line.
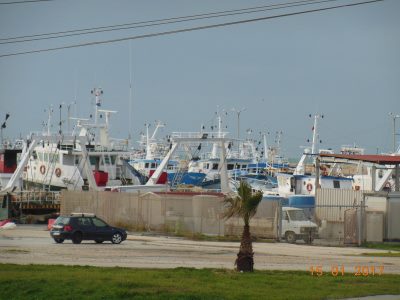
[189,29]
[44,36]
[26,1]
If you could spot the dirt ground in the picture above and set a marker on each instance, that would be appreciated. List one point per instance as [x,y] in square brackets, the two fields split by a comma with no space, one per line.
[31,244]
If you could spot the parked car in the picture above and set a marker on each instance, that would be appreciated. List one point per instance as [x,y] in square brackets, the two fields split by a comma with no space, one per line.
[83,226]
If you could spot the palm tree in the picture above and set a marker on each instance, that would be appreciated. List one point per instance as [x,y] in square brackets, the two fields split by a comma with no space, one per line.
[244,205]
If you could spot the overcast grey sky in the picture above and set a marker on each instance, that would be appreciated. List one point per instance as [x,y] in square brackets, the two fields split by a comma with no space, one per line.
[344,63]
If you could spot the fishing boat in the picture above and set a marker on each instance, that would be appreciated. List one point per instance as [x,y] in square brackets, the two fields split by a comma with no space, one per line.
[154,150]
[73,161]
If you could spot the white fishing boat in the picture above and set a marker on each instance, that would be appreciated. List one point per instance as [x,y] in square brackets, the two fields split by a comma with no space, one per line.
[87,156]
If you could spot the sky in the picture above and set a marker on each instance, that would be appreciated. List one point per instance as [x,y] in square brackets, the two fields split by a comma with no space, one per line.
[343,63]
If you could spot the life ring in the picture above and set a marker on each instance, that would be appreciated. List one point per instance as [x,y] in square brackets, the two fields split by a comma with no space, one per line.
[42,169]
[309,187]
[58,172]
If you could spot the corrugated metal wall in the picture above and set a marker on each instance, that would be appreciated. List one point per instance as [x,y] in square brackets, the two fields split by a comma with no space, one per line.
[330,204]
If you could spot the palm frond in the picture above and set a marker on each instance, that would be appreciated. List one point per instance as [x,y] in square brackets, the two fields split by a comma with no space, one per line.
[244,205]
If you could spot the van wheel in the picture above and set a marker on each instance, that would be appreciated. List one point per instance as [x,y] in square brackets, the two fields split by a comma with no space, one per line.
[77,238]
[290,237]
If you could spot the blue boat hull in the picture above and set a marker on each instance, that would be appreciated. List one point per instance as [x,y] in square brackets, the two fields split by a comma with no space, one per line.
[191,178]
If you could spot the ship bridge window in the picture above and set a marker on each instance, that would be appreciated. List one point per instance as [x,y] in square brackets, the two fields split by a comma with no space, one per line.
[230,166]
[215,167]
[54,158]
[244,166]
[153,165]
[336,184]
[93,160]
[68,160]
[109,159]
[146,165]
[35,155]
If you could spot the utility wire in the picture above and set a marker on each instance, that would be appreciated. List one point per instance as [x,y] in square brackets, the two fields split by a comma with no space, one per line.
[189,29]
[44,36]
[26,1]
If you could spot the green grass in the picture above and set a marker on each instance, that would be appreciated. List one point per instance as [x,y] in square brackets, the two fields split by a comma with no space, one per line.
[14,251]
[77,282]
[219,238]
[383,246]
[382,254]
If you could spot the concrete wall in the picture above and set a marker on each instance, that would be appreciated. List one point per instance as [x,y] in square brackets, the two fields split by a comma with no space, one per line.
[169,212]
[393,213]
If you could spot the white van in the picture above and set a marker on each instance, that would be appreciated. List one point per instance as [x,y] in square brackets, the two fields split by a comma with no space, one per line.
[295,226]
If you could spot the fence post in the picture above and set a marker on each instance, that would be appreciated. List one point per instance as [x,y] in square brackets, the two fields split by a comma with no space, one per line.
[361,221]
[279,220]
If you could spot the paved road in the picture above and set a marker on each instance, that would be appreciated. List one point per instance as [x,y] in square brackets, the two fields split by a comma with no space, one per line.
[32,244]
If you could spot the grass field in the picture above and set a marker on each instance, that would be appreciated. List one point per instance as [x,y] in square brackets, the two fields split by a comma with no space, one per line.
[393,246]
[77,282]
[380,254]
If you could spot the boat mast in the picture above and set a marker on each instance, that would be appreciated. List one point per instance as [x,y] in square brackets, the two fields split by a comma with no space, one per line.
[50,113]
[265,146]
[158,125]
[97,92]
[148,148]
[315,133]
[214,153]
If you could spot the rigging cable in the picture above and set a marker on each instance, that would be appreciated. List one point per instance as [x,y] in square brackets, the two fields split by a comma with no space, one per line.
[25,1]
[188,29]
[55,35]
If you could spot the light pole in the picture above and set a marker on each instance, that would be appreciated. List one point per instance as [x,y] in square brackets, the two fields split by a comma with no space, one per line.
[394,116]
[238,111]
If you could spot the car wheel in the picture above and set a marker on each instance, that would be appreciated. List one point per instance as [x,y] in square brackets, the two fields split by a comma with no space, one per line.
[116,238]
[98,241]
[290,237]
[59,241]
[77,238]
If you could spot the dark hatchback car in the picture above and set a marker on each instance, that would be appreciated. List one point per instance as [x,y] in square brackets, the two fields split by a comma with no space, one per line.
[81,226]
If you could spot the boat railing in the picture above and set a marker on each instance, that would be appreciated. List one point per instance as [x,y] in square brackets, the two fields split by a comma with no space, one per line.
[120,144]
[195,189]
[198,134]
[37,197]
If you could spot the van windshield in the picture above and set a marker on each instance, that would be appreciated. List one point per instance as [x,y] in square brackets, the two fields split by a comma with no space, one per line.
[297,215]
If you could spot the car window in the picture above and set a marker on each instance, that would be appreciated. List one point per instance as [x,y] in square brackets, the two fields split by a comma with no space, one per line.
[84,222]
[62,221]
[99,223]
